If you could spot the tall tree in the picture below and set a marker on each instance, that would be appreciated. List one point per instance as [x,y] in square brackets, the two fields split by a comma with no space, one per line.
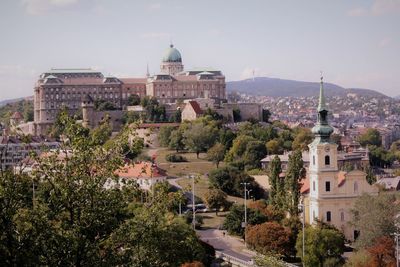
[216,153]
[374,217]
[322,245]
[302,139]
[164,135]
[295,173]
[216,199]
[276,191]
[199,137]
[176,140]
[371,137]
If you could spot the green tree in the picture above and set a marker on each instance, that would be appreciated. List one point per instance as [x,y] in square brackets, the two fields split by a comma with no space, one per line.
[133,100]
[371,178]
[371,137]
[235,217]
[322,245]
[216,153]
[176,140]
[273,146]
[295,173]
[216,199]
[199,137]
[276,191]
[302,139]
[374,217]
[164,135]
[254,153]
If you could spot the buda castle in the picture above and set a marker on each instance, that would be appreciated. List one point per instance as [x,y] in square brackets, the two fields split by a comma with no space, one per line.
[69,88]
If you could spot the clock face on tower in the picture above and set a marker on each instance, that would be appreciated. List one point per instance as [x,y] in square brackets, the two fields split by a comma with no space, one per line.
[327,149]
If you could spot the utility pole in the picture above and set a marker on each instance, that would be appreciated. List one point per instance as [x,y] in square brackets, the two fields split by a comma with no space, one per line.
[301,207]
[245,210]
[193,204]
[397,248]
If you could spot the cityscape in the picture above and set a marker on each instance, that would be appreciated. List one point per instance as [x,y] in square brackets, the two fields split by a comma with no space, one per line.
[116,149]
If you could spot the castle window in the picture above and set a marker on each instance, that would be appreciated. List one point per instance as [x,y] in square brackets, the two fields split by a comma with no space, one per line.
[328,216]
[313,185]
[313,160]
[327,186]
[342,216]
[327,160]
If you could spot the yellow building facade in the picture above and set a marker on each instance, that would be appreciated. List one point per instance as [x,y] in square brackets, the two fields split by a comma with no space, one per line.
[329,194]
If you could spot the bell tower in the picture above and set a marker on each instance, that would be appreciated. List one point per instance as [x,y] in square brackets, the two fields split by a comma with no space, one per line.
[323,160]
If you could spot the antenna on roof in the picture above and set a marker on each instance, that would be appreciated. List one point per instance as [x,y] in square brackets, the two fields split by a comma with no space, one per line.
[147,72]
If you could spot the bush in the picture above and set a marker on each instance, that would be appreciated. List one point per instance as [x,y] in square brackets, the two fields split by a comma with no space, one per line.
[175,158]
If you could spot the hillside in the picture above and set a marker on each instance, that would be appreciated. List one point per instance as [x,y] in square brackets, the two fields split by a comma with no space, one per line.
[280,88]
[22,105]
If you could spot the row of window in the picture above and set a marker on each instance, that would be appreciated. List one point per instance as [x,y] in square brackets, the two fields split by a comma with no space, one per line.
[328,216]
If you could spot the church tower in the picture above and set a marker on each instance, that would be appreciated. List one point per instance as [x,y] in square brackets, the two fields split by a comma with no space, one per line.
[87,112]
[323,163]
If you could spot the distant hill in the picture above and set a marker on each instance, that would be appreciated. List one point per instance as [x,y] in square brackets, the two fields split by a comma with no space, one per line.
[280,88]
[10,101]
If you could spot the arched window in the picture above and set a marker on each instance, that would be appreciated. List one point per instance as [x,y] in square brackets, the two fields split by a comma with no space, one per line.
[328,216]
[327,160]
[355,187]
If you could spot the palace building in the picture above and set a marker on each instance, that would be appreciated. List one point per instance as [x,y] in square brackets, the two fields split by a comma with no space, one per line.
[59,88]
[329,194]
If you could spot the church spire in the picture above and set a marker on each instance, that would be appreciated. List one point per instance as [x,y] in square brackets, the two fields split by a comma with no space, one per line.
[321,103]
[322,129]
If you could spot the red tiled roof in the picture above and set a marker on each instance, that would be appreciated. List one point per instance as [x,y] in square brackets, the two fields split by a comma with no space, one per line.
[144,170]
[196,107]
[305,185]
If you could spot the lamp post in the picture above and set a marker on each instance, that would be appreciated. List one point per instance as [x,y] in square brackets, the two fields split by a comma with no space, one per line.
[301,208]
[397,248]
[193,204]
[245,210]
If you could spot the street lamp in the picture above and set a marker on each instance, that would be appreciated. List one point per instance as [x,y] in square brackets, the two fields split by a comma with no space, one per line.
[396,235]
[193,205]
[245,210]
[301,208]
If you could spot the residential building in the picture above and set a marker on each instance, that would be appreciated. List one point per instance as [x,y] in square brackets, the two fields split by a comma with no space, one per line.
[145,174]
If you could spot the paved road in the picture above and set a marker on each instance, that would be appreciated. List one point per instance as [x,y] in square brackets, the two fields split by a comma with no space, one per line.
[228,245]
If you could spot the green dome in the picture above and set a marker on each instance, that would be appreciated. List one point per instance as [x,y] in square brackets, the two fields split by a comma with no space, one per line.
[172,55]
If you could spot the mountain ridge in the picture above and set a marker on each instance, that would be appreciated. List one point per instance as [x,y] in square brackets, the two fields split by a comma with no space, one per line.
[276,87]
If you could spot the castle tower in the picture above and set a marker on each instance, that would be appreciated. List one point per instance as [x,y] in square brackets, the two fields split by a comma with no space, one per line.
[172,61]
[323,163]
[88,111]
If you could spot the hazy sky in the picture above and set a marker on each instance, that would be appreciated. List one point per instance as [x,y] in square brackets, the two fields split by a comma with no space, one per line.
[355,43]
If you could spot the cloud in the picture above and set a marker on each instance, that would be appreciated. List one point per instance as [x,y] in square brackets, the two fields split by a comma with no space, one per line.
[384,42]
[378,8]
[155,35]
[37,7]
[155,6]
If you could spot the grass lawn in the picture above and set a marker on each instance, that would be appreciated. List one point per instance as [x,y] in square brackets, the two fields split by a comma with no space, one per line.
[210,220]
[178,169]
